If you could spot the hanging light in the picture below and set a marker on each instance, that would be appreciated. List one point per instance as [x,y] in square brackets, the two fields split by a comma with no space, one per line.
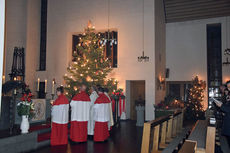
[143,57]
[108,37]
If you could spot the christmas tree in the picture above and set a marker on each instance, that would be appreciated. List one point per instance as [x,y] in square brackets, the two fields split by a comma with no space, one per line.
[194,105]
[90,67]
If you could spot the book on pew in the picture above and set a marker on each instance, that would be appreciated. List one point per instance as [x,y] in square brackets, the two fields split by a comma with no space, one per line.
[217,101]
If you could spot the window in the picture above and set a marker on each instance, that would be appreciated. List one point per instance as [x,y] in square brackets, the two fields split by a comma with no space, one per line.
[178,89]
[42,64]
[214,58]
[110,48]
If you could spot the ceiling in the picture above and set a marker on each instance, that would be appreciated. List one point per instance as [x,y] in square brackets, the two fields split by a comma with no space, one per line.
[185,10]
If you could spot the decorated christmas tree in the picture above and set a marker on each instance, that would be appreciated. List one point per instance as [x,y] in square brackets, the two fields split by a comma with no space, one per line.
[194,105]
[90,67]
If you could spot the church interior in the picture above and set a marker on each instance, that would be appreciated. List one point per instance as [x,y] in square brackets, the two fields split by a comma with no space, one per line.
[115,76]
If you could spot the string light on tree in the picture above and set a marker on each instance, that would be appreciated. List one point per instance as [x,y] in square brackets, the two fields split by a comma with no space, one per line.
[194,105]
[90,67]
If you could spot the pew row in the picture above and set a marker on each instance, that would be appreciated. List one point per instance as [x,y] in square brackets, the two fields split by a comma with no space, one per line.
[159,132]
[204,136]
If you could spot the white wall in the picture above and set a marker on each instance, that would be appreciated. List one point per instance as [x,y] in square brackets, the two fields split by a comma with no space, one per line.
[67,17]
[16,12]
[2,36]
[186,49]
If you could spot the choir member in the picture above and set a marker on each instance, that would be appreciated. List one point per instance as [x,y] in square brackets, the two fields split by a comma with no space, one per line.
[111,122]
[60,116]
[93,98]
[101,116]
[80,106]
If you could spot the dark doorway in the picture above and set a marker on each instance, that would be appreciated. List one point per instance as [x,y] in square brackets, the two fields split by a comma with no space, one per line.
[214,59]
[137,96]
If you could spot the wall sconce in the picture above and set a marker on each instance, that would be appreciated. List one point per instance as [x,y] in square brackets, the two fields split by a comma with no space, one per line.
[161,82]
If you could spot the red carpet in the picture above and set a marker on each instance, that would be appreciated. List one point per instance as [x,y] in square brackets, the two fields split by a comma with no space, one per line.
[43,136]
[39,127]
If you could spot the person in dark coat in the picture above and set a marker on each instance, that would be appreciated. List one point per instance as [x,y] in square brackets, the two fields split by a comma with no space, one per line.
[225,108]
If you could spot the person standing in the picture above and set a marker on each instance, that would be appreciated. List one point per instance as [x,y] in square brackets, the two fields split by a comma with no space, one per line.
[111,122]
[101,116]
[226,119]
[225,108]
[91,123]
[60,116]
[80,106]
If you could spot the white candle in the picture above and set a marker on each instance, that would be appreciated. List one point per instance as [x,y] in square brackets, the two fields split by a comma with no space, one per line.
[38,84]
[15,91]
[53,87]
[45,86]
[3,79]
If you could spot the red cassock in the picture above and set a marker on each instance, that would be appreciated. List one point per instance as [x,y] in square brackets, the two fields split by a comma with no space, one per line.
[101,110]
[80,106]
[60,117]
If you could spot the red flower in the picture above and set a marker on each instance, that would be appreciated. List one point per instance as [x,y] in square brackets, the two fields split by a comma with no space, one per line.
[22,99]
[113,93]
[28,99]
[30,94]
[24,95]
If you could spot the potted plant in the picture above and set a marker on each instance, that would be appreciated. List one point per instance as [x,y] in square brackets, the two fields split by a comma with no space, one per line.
[25,109]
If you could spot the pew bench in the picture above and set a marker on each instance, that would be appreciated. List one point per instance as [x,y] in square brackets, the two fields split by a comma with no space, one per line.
[159,132]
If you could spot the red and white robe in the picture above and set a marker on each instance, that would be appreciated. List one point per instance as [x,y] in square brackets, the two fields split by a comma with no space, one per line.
[101,116]
[80,106]
[111,122]
[60,118]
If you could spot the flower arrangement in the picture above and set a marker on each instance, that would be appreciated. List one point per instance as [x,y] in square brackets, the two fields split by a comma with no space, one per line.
[116,95]
[25,106]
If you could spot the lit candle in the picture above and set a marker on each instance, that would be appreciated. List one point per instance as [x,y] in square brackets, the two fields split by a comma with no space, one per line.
[45,86]
[15,79]
[38,84]
[53,82]
[3,79]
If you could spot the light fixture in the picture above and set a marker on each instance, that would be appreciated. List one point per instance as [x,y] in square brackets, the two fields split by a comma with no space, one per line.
[143,57]
[108,38]
[226,62]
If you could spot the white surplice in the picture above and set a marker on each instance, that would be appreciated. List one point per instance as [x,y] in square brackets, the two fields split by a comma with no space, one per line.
[111,122]
[91,121]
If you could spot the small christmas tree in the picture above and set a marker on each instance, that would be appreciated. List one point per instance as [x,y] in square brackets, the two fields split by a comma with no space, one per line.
[91,67]
[194,105]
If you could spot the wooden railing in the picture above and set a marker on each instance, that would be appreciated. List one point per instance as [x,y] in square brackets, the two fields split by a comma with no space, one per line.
[161,130]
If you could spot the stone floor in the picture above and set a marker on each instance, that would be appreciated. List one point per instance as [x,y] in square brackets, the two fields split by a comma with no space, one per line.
[125,139]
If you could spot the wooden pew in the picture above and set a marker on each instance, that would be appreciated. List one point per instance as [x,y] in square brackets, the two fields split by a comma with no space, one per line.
[210,139]
[157,132]
[204,135]
[188,147]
